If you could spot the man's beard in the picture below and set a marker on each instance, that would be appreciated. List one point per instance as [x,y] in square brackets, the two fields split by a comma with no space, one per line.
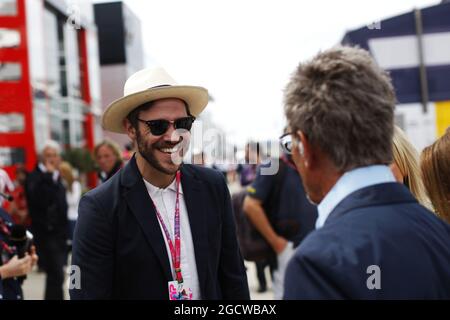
[148,153]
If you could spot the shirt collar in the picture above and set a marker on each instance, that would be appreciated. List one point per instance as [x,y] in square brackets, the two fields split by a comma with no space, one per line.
[348,183]
[153,190]
[43,169]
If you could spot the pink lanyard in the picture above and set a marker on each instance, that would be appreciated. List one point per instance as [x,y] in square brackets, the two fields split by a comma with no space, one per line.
[174,248]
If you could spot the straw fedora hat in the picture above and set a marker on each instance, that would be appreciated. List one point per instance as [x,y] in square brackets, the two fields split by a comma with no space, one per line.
[148,85]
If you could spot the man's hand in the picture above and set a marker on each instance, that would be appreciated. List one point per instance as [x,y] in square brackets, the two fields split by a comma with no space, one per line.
[279,244]
[34,256]
[16,267]
[50,166]
[255,212]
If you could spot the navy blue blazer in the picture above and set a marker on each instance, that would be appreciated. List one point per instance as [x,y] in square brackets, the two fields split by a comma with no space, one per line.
[120,250]
[381,225]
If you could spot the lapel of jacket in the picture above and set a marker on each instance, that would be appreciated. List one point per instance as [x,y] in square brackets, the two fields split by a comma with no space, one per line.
[194,195]
[376,195]
[139,202]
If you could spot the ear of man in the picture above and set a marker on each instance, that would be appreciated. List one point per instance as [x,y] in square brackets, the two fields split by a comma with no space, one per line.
[304,149]
[130,130]
[301,149]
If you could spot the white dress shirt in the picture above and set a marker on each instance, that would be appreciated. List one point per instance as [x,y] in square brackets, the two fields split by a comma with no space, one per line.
[348,183]
[73,199]
[55,174]
[164,200]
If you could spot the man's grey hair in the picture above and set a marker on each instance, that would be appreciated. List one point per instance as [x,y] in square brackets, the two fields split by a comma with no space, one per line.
[344,104]
[52,144]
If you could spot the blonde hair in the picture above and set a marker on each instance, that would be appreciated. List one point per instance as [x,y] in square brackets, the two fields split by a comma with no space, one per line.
[435,164]
[111,145]
[66,171]
[406,158]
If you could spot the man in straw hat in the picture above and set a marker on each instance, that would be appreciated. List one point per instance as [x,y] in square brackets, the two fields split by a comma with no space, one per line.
[157,229]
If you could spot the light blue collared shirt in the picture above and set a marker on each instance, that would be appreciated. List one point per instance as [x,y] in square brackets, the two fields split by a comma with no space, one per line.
[350,182]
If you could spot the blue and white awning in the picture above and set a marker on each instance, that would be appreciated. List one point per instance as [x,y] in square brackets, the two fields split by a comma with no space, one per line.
[394,45]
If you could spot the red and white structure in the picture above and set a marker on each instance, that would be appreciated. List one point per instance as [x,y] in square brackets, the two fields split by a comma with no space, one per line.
[49,78]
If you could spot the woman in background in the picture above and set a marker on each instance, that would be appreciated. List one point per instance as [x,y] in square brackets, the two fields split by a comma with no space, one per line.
[109,159]
[435,164]
[406,167]
[73,194]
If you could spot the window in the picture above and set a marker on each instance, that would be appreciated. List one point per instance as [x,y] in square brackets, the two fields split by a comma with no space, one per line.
[11,122]
[72,55]
[51,49]
[41,123]
[9,38]
[11,156]
[8,8]
[10,71]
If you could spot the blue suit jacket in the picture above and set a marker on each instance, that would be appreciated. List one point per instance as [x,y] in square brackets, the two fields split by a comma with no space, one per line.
[120,250]
[381,225]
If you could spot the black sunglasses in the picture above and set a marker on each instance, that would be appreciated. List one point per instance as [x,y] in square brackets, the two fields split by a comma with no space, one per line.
[160,126]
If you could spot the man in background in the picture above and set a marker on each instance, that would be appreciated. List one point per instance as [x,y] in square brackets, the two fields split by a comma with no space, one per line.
[47,205]
[277,206]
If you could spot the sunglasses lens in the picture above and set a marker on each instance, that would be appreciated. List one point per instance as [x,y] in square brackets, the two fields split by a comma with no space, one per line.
[184,123]
[286,143]
[158,127]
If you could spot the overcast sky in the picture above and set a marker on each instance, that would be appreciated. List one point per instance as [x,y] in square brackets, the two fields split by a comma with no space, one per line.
[243,51]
